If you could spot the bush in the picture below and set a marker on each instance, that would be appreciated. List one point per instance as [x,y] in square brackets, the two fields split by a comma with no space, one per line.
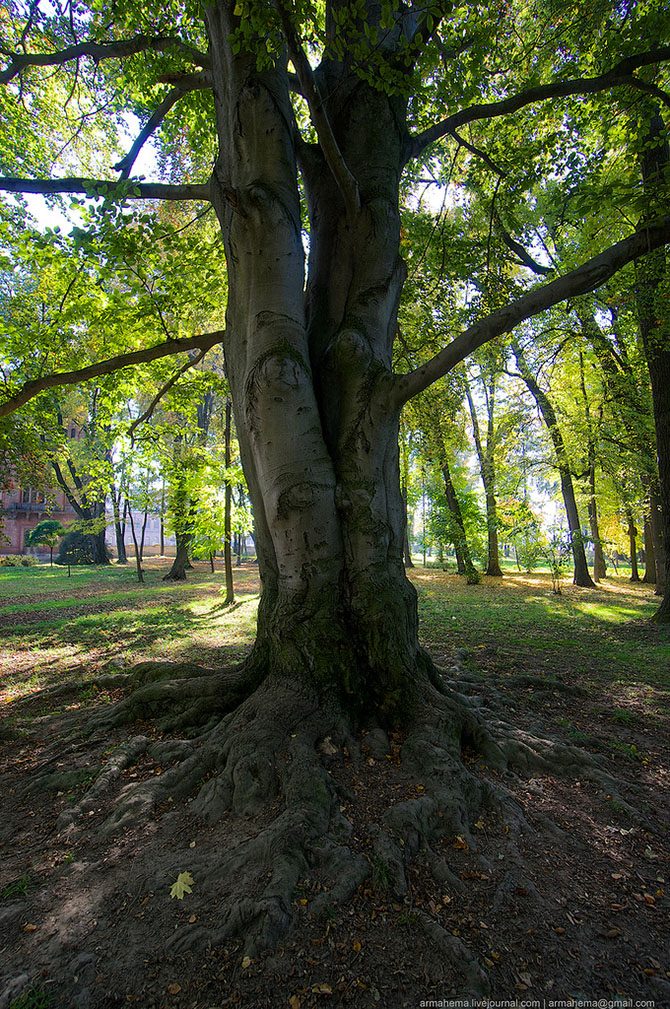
[76,548]
[17,561]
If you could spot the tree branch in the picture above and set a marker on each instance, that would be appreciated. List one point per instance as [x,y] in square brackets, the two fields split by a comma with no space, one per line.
[587,277]
[165,389]
[30,389]
[619,75]
[100,187]
[524,257]
[189,82]
[100,51]
[324,131]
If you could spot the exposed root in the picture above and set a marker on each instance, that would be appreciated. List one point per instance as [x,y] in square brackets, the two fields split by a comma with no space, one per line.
[270,762]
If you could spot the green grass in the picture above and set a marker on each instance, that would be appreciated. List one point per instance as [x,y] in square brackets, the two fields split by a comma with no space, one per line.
[52,625]
[582,631]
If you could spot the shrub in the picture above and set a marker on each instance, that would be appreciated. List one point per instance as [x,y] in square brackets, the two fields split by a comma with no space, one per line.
[17,561]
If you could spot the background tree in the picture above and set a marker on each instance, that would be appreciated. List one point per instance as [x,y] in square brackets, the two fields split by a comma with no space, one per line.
[48,532]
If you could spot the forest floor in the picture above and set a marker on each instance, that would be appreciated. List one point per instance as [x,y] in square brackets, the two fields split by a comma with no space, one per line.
[85,919]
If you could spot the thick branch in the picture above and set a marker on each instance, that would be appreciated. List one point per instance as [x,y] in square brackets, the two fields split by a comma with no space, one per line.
[619,75]
[100,51]
[189,82]
[587,277]
[324,131]
[100,187]
[31,389]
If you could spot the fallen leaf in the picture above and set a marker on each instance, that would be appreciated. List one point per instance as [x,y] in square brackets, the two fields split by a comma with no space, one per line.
[322,989]
[193,918]
[461,843]
[294,1002]
[173,989]
[182,885]
[246,962]
[356,946]
[30,928]
[613,933]
[559,930]
[479,824]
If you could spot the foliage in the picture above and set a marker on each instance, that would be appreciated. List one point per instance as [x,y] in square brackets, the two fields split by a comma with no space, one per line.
[76,548]
[17,561]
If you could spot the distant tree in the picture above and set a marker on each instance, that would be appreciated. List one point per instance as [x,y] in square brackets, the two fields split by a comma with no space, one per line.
[48,532]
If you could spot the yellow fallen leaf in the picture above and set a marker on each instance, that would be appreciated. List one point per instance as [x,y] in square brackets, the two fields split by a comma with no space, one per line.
[173,989]
[356,946]
[182,885]
[246,962]
[322,989]
[303,902]
[461,843]
[294,1002]
[30,928]
[479,824]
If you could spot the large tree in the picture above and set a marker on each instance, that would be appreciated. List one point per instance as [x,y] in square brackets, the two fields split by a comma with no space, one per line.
[320,118]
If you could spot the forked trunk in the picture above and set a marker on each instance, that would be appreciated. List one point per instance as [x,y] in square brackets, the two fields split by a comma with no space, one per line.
[310,382]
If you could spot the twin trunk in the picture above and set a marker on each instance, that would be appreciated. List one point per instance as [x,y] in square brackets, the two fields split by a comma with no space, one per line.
[310,375]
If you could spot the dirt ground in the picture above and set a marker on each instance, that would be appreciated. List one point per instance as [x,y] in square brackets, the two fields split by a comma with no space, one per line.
[579,910]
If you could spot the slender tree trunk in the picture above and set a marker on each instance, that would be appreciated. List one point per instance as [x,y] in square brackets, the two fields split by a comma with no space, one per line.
[581,569]
[485,454]
[599,566]
[632,539]
[227,553]
[649,577]
[144,530]
[138,552]
[464,562]
[121,557]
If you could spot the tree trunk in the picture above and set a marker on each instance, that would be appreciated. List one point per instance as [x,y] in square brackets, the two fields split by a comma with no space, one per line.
[632,539]
[407,552]
[336,610]
[649,577]
[227,552]
[485,454]
[138,552]
[581,569]
[177,572]
[121,556]
[464,562]
[651,298]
